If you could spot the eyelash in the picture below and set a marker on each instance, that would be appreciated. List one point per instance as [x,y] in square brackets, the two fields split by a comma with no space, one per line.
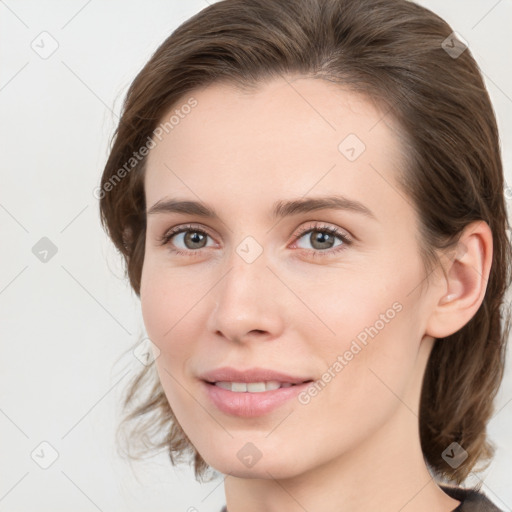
[166,238]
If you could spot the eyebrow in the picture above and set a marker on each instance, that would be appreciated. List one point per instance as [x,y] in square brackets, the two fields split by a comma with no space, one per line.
[280,209]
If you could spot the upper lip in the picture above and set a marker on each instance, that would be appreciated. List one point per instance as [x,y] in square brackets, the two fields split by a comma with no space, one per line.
[228,374]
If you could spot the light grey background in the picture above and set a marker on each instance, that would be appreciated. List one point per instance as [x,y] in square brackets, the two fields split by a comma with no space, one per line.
[65,323]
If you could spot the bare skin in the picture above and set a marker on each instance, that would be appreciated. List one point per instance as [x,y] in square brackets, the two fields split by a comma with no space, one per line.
[355,445]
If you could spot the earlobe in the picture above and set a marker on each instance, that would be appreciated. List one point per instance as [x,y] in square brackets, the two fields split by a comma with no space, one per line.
[464,281]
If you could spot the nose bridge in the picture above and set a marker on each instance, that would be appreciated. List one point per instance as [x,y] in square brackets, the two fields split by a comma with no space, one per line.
[247,299]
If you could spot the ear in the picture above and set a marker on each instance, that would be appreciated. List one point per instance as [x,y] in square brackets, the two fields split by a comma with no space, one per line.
[463,286]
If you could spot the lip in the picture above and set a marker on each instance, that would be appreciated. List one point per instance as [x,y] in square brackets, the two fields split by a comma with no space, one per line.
[245,404]
[229,374]
[250,405]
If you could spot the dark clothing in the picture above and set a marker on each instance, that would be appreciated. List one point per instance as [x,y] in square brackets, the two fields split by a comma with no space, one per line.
[470,500]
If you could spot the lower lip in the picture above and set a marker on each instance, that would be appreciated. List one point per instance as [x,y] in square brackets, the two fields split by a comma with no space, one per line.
[249,405]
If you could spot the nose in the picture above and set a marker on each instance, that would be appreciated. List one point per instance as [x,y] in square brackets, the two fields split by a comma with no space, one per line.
[249,302]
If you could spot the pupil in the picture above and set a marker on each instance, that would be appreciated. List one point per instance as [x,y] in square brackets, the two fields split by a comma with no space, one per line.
[323,240]
[194,238]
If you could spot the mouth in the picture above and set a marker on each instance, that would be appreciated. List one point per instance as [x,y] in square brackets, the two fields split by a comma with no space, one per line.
[256,379]
[255,387]
[247,400]
[251,392]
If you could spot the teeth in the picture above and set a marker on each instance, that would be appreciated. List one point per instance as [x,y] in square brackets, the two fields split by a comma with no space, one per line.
[253,387]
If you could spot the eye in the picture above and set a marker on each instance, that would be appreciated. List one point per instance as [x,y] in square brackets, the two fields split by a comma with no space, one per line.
[189,238]
[322,239]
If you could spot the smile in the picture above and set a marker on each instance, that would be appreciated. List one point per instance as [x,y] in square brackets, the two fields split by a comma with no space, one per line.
[253,387]
[250,399]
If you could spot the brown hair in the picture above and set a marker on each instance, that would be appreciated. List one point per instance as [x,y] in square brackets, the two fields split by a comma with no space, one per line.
[393,51]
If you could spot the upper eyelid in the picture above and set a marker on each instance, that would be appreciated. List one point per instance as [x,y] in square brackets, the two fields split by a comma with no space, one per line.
[339,231]
[181,228]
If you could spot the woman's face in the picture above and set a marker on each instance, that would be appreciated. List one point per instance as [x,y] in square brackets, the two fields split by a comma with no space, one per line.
[262,284]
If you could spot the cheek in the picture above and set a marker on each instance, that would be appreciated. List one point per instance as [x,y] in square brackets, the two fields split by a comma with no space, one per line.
[171,310]
[164,311]
[162,303]
[368,367]
[370,325]
[346,303]
[154,304]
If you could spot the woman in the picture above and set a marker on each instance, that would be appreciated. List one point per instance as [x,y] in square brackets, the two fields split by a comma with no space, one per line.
[309,199]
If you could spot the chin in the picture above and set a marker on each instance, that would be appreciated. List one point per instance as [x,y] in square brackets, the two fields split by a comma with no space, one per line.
[233,464]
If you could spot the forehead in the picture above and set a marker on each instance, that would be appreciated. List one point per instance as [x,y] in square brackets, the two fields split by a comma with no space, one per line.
[288,137]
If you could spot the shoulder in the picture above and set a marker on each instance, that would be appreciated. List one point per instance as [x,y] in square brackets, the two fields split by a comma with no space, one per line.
[471,500]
